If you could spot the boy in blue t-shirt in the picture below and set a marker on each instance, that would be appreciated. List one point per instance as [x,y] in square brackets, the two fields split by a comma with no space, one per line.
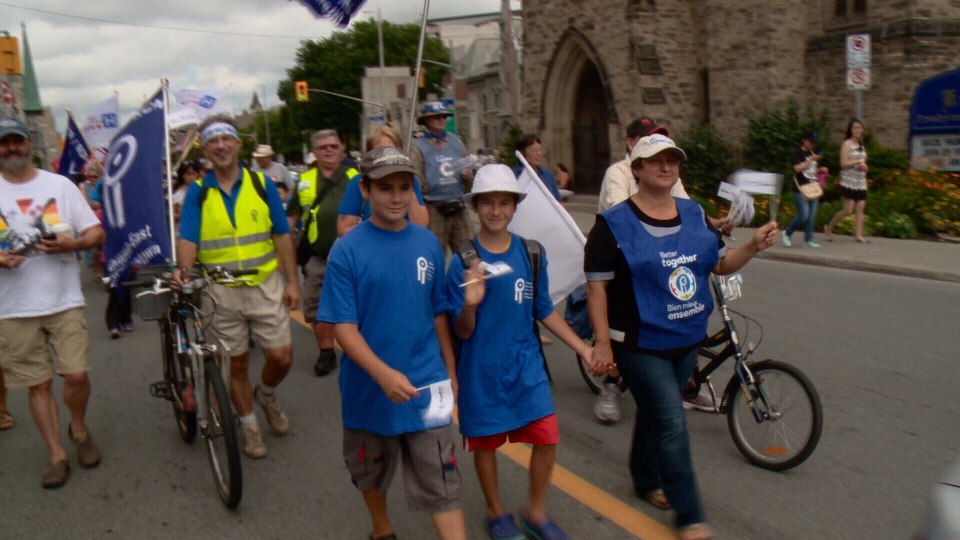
[504,389]
[383,291]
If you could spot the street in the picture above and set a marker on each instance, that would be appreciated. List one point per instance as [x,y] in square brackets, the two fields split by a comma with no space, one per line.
[881,350]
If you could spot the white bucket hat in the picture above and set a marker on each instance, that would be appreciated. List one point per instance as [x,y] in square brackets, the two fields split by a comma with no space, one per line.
[494,178]
[263,150]
[652,145]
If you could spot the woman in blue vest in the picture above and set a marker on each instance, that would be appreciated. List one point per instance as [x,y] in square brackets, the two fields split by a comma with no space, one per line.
[648,262]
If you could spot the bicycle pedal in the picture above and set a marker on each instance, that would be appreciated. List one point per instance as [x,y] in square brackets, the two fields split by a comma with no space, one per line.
[161,390]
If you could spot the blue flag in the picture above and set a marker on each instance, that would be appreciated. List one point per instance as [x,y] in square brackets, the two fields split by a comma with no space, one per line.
[76,152]
[133,193]
[338,10]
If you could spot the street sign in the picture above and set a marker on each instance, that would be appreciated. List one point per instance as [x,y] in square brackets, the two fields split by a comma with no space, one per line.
[858,51]
[858,79]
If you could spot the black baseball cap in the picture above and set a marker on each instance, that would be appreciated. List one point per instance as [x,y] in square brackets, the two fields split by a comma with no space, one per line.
[643,126]
[810,136]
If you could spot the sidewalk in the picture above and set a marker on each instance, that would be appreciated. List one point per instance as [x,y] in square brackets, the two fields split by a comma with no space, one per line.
[924,259]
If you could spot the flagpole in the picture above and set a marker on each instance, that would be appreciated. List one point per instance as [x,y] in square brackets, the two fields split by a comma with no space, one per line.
[416,75]
[166,144]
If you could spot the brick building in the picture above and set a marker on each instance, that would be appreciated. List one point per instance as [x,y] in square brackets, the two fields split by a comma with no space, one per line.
[592,66]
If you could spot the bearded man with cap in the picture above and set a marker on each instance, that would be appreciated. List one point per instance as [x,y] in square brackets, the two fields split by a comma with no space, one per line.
[235,219]
[41,302]
[442,187]
[263,163]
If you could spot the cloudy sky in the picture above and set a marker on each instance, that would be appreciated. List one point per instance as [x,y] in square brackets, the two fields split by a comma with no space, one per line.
[83,51]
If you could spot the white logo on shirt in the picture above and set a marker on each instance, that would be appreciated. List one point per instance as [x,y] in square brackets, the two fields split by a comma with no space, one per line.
[518,288]
[422,267]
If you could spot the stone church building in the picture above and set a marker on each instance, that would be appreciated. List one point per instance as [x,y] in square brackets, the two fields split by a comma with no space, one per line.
[591,66]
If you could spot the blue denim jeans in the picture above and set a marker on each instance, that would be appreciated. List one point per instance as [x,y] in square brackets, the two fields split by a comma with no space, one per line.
[660,453]
[806,215]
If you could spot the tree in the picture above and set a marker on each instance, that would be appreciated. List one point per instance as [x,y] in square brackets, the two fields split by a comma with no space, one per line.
[336,64]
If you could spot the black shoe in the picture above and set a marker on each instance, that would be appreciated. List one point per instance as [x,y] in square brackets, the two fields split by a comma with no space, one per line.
[326,363]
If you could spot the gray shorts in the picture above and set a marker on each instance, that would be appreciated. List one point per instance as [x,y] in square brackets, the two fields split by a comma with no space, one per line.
[431,479]
[313,272]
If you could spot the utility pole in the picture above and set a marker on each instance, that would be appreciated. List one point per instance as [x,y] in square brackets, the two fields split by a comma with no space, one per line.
[509,63]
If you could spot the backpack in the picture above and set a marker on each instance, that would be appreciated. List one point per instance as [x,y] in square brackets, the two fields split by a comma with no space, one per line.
[468,253]
[257,186]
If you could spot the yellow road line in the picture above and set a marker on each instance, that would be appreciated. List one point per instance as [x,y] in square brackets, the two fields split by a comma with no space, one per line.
[628,518]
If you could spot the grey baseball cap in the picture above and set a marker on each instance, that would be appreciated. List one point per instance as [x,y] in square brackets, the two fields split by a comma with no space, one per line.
[11,125]
[384,161]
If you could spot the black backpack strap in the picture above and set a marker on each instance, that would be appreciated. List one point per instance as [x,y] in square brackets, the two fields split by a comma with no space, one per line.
[534,252]
[258,181]
[467,252]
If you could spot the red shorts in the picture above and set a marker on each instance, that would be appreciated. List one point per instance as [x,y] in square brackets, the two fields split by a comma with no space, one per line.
[539,432]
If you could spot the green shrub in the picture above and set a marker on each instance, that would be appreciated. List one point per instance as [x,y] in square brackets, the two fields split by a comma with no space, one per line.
[773,136]
[708,161]
[897,225]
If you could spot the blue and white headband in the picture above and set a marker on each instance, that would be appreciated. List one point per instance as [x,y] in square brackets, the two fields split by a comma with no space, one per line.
[216,129]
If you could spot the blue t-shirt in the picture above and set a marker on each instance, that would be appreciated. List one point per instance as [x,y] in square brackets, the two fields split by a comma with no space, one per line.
[190,213]
[353,203]
[503,385]
[96,195]
[390,284]
[545,176]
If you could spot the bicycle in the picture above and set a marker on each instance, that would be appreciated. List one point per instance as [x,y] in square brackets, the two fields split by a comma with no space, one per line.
[191,363]
[774,413]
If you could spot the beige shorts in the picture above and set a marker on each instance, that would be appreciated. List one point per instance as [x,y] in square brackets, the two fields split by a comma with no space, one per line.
[313,274]
[431,479]
[32,349]
[242,311]
[451,231]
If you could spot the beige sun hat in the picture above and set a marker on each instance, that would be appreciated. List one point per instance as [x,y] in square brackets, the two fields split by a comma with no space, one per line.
[494,178]
[263,150]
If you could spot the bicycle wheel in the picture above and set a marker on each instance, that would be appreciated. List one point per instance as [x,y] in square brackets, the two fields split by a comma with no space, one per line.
[221,436]
[791,426]
[173,373]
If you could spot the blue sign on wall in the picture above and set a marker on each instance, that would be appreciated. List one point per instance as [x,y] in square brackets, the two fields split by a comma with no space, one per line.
[935,123]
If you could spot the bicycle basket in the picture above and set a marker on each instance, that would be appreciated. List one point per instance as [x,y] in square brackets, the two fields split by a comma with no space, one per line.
[152,305]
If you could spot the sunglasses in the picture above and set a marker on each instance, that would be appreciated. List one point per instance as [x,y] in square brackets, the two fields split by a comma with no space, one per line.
[327,147]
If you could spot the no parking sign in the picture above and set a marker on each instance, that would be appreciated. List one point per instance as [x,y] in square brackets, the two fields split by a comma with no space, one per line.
[858,79]
[858,61]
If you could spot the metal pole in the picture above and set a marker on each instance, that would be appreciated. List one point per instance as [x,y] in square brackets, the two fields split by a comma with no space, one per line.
[266,117]
[383,94]
[416,75]
[166,138]
[859,96]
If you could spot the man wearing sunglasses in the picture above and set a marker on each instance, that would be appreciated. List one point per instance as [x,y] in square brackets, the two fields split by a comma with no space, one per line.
[316,202]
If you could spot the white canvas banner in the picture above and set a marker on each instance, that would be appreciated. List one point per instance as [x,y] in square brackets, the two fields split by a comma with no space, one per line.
[203,102]
[102,122]
[540,217]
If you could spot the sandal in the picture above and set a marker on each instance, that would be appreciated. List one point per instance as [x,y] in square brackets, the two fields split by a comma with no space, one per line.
[697,531]
[862,240]
[544,530]
[6,421]
[658,499]
[828,234]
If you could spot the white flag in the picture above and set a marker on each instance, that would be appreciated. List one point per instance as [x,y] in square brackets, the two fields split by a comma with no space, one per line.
[540,217]
[102,122]
[203,102]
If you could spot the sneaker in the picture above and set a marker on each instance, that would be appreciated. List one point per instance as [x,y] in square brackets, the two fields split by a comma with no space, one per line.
[786,239]
[811,245]
[127,327]
[503,527]
[253,445]
[114,333]
[703,401]
[607,406]
[326,363]
[276,418]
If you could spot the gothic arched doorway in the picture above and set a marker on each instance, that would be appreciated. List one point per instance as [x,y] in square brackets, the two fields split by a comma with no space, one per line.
[578,117]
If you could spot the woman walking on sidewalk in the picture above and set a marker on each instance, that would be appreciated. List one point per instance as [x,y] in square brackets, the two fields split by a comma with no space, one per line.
[805,169]
[853,182]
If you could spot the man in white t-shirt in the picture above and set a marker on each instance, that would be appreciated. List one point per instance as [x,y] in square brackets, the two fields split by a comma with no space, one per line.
[44,221]
[263,163]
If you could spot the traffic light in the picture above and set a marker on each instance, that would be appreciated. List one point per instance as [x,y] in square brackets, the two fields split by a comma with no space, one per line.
[422,83]
[303,91]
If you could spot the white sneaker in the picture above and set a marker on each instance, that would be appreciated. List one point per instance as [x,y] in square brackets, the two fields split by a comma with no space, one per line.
[703,401]
[253,445]
[607,406]
[276,418]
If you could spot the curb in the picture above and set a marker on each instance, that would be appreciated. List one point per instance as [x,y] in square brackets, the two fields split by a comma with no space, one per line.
[860,266]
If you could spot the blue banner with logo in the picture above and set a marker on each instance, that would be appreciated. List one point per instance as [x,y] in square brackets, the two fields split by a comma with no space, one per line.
[339,10]
[76,152]
[133,195]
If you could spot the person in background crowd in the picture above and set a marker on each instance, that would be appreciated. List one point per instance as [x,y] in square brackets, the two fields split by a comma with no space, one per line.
[443,188]
[42,327]
[853,182]
[805,171]
[645,260]
[354,208]
[187,174]
[241,226]
[263,163]
[564,181]
[384,292]
[315,203]
[93,189]
[532,149]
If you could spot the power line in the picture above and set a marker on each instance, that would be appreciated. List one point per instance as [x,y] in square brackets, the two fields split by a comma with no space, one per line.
[156,26]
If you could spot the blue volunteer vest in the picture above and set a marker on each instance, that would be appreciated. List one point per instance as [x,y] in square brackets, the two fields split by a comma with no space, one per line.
[439,187]
[670,275]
